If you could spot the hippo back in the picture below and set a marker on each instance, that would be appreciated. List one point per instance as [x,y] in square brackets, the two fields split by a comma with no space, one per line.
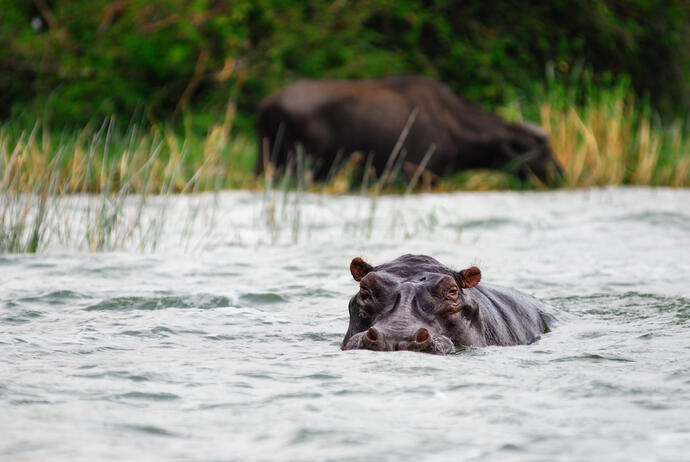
[510,317]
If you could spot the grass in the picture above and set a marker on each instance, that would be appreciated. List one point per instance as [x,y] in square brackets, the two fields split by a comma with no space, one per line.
[117,172]
[97,183]
[611,138]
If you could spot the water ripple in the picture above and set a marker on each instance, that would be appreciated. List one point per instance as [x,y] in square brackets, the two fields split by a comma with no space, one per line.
[658,218]
[199,301]
[594,358]
[150,430]
[21,317]
[146,396]
[126,375]
[262,298]
[628,306]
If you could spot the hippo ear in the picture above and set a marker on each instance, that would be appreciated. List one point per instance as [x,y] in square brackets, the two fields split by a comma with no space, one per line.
[359,268]
[469,277]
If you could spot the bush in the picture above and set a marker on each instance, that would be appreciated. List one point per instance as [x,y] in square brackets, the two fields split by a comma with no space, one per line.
[79,60]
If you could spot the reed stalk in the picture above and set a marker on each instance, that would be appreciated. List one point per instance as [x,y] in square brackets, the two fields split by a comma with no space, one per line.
[611,138]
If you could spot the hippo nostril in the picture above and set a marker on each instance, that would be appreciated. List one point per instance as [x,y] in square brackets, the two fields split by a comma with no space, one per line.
[372,334]
[422,335]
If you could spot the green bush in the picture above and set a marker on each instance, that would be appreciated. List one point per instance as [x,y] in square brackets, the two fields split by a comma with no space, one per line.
[72,61]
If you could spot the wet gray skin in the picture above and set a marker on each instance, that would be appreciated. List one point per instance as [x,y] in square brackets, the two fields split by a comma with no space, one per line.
[415,303]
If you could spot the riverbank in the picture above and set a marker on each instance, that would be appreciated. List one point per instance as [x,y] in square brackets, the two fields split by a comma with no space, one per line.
[608,139]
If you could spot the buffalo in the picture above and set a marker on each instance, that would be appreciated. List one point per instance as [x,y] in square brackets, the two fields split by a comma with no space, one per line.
[419,120]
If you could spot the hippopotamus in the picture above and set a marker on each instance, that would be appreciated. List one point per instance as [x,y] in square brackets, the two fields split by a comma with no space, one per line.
[446,133]
[415,303]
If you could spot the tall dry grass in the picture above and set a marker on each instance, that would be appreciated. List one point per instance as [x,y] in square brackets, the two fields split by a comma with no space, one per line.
[607,138]
[610,137]
[152,160]
[614,143]
[40,173]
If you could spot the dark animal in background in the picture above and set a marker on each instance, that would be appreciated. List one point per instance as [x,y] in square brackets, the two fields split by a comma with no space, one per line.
[416,303]
[368,116]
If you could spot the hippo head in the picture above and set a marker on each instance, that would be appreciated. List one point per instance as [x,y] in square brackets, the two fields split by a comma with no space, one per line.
[529,153]
[412,303]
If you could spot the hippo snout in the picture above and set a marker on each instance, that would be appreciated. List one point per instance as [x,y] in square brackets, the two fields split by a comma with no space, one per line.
[377,339]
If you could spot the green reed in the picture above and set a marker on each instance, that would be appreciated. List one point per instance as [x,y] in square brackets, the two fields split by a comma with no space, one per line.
[55,185]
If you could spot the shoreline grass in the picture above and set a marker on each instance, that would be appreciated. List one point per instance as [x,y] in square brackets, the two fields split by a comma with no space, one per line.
[609,139]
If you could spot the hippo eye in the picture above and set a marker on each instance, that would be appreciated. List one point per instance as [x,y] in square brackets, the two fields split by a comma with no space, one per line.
[452,294]
[364,294]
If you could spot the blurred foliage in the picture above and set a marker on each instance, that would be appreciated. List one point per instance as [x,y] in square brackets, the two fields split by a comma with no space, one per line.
[74,61]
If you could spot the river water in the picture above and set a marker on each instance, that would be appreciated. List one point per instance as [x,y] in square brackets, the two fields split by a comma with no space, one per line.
[221,341]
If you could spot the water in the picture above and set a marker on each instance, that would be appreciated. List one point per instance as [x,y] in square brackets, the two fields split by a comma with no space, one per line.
[223,343]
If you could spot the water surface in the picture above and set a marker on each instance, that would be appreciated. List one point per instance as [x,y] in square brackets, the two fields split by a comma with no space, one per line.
[223,342]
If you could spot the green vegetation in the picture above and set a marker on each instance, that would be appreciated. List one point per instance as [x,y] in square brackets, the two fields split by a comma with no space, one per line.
[611,139]
[71,62]
[135,98]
